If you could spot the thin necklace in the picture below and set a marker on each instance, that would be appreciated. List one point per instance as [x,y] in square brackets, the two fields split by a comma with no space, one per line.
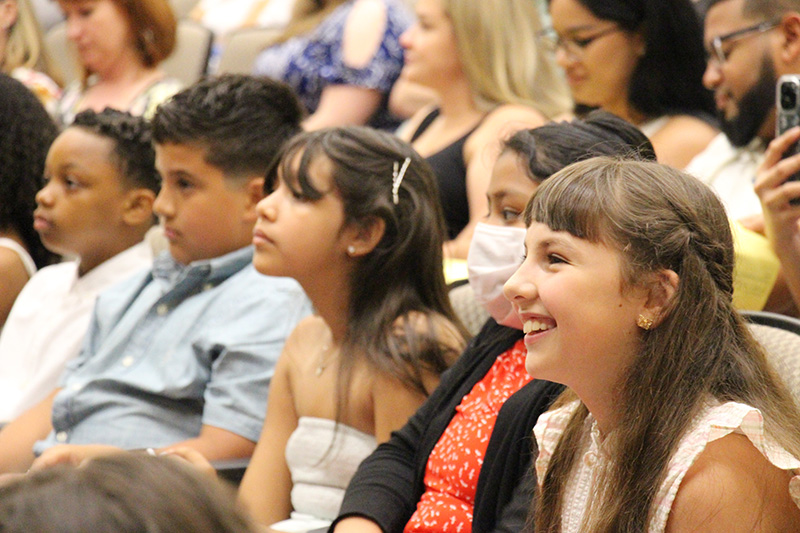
[323,362]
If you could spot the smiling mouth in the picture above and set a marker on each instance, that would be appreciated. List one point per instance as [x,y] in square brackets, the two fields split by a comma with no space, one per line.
[532,326]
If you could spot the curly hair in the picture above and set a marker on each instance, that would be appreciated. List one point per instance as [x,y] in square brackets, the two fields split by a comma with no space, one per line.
[133,146]
[28,131]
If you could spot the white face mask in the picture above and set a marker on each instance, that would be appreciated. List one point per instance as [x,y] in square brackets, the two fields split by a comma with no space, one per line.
[494,255]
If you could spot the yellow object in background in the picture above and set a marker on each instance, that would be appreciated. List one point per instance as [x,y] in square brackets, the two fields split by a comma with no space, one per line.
[755,269]
[454,270]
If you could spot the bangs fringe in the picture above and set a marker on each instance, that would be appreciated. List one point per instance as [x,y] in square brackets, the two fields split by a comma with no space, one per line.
[581,201]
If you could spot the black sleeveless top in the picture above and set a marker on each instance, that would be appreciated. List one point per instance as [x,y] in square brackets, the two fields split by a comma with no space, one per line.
[451,175]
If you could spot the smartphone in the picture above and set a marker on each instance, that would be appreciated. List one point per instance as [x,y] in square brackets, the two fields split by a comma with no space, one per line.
[787,105]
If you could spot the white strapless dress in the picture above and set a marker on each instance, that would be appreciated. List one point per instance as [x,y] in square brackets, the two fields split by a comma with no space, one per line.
[322,457]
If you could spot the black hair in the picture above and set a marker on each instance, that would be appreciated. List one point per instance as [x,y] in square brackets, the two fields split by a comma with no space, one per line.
[549,148]
[403,274]
[240,120]
[133,147]
[668,77]
[27,133]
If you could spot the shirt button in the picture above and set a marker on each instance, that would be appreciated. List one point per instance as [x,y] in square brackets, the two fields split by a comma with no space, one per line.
[162,309]
[127,361]
[76,387]
[61,436]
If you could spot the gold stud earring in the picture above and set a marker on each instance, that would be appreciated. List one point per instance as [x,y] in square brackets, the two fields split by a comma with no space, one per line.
[644,322]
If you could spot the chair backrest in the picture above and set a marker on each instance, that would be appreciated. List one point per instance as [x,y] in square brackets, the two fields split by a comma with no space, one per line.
[469,311]
[187,62]
[62,51]
[780,337]
[242,48]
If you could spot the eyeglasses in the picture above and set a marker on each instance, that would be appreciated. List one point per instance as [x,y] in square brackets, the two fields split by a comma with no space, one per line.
[718,53]
[552,41]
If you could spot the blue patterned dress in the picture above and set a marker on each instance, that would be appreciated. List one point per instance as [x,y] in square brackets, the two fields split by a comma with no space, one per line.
[311,62]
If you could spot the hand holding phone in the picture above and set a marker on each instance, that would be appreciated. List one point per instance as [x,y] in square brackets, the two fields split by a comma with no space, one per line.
[787,105]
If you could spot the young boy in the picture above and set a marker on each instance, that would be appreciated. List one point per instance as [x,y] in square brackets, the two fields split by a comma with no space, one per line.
[96,206]
[183,355]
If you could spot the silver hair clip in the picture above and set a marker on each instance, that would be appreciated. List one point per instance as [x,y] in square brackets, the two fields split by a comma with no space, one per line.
[397,179]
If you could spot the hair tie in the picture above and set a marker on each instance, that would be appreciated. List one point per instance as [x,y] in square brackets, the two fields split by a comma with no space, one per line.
[397,178]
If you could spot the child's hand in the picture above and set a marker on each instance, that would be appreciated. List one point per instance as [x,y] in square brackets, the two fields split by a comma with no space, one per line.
[193,457]
[72,454]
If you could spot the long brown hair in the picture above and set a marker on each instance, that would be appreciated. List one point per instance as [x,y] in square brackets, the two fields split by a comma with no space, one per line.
[402,278]
[658,218]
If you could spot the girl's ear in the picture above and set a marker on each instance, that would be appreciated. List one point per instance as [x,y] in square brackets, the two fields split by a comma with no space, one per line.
[790,30]
[365,236]
[660,293]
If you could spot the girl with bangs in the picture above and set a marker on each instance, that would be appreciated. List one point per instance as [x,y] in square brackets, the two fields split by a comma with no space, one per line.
[675,420]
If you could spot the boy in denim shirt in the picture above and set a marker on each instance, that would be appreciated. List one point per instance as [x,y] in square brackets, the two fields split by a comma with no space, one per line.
[183,354]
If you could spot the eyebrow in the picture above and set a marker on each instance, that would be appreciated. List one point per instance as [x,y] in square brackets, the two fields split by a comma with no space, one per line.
[556,241]
[508,191]
[177,174]
[499,195]
[70,166]
[576,29]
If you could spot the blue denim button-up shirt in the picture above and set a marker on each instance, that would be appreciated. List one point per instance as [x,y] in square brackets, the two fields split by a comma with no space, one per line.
[175,349]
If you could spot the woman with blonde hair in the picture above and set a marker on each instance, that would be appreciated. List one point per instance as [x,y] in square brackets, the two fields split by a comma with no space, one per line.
[22,52]
[120,45]
[482,62]
[342,58]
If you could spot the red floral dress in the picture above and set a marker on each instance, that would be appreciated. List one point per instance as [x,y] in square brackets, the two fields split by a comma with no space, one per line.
[451,475]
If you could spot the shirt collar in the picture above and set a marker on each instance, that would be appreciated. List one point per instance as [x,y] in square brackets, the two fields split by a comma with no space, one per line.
[167,269]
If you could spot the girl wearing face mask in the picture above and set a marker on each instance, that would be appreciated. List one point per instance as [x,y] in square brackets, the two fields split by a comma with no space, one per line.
[482,414]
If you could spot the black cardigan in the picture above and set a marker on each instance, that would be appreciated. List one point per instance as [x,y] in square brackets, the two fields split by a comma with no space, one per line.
[389,483]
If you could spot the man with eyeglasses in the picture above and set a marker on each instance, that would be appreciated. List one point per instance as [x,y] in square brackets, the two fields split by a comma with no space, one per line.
[750,43]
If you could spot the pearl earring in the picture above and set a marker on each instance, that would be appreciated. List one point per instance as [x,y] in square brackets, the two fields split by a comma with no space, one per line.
[351,250]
